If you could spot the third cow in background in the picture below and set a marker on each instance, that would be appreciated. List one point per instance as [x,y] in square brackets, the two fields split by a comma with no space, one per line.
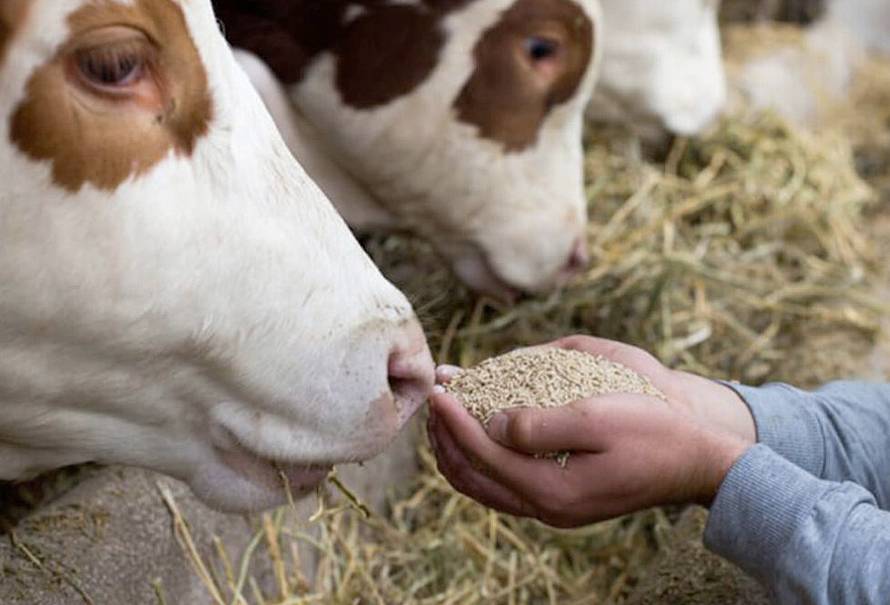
[458,120]
[662,66]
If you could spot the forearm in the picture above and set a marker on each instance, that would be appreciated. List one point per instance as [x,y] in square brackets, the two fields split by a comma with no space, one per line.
[809,541]
[838,433]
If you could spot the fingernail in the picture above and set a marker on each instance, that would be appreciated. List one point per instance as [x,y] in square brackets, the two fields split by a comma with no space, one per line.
[497,428]
[447,372]
[439,390]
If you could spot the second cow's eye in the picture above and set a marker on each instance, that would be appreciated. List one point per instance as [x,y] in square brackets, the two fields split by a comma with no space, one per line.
[112,67]
[541,49]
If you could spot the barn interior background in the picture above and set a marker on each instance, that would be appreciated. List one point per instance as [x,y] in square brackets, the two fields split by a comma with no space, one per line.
[746,253]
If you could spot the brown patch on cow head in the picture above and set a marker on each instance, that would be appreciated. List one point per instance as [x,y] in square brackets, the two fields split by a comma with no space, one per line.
[12,15]
[382,53]
[533,59]
[386,53]
[126,89]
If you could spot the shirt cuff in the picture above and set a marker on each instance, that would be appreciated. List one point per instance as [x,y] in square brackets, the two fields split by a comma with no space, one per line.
[786,423]
[762,502]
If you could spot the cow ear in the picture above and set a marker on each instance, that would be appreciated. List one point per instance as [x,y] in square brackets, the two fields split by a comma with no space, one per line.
[386,53]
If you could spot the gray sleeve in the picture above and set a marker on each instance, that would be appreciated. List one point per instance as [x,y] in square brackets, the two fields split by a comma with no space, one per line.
[809,541]
[839,433]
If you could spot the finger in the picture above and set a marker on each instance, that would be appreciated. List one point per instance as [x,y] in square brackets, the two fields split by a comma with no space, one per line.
[607,498]
[522,474]
[589,425]
[540,431]
[592,481]
[446,373]
[460,473]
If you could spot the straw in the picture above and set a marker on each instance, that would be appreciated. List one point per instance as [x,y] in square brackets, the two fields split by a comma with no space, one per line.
[739,256]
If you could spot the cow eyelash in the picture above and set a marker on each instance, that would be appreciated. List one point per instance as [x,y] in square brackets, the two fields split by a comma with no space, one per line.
[112,68]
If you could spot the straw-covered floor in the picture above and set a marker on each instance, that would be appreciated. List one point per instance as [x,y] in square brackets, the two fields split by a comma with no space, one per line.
[742,255]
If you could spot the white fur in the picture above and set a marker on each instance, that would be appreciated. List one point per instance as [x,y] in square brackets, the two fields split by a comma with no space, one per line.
[310,148]
[662,65]
[212,312]
[496,216]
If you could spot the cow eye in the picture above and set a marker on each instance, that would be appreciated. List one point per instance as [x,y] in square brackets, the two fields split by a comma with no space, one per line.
[113,67]
[541,49]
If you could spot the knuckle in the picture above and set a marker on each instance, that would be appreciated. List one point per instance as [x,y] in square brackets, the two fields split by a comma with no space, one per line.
[587,411]
[522,430]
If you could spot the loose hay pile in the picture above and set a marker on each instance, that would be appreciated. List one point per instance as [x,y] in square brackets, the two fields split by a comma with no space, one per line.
[723,260]
[435,547]
[733,258]
[861,113]
[543,377]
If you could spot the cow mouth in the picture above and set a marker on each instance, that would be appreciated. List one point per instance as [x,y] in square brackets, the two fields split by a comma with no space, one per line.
[272,474]
[477,272]
[297,479]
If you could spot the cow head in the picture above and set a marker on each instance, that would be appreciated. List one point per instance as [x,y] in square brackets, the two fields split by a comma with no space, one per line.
[175,292]
[662,66]
[462,118]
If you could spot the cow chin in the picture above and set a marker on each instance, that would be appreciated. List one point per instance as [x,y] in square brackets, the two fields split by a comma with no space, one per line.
[474,270]
[255,465]
[239,478]
[239,482]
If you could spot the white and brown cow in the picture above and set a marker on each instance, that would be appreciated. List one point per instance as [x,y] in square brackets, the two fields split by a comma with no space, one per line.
[662,66]
[459,120]
[175,292]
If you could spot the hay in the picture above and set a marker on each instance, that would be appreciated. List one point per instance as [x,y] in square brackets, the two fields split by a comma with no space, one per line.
[436,548]
[543,378]
[731,258]
[864,118]
[723,260]
[861,114]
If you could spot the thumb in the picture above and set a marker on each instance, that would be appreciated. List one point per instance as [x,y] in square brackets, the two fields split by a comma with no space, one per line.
[574,427]
[588,425]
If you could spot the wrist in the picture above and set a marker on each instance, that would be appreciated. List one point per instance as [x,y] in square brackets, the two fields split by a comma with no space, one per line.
[718,407]
[720,454]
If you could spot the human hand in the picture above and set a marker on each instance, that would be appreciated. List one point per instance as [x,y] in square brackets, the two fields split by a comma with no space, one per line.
[629,452]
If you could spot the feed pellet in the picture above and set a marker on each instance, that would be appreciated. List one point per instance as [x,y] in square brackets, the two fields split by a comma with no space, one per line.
[542,377]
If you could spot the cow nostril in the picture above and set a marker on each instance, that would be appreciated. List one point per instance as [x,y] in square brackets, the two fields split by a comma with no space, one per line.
[411,378]
[579,258]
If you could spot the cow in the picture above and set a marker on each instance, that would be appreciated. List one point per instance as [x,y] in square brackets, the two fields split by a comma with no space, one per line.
[175,292]
[662,66]
[457,120]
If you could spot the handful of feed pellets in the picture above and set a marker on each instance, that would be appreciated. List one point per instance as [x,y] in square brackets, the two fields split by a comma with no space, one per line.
[543,377]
